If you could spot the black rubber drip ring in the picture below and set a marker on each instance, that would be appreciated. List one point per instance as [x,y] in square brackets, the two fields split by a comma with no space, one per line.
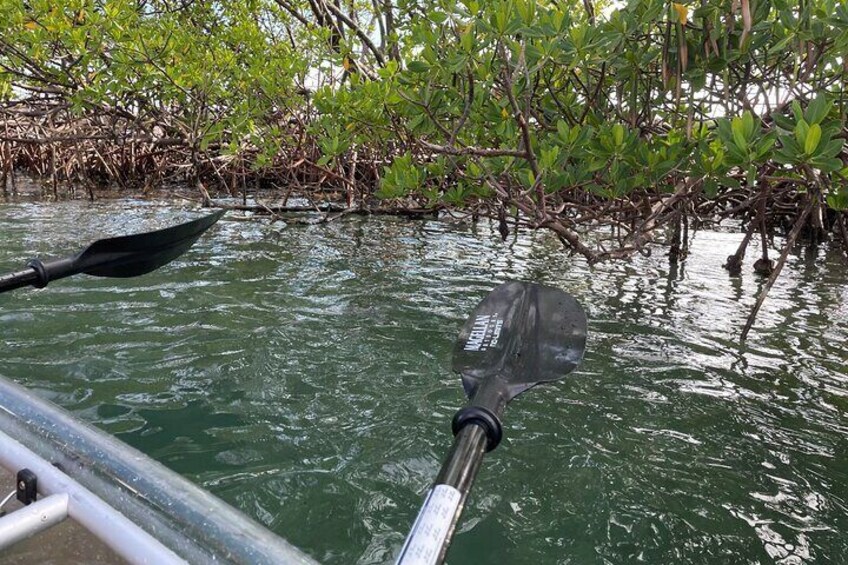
[38,266]
[482,417]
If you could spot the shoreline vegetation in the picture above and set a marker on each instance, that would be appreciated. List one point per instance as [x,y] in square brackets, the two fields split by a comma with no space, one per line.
[640,122]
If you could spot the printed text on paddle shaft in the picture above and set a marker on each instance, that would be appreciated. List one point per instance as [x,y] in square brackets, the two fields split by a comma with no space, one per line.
[484,333]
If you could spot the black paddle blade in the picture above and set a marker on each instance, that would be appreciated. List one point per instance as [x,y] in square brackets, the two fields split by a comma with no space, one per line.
[133,255]
[520,335]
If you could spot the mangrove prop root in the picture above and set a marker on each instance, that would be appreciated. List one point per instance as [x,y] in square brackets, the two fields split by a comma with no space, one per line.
[734,262]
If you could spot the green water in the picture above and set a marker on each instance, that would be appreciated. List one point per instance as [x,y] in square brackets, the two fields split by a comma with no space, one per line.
[302,373]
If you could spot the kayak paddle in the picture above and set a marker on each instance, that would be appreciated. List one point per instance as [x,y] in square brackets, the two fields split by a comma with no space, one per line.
[121,257]
[520,335]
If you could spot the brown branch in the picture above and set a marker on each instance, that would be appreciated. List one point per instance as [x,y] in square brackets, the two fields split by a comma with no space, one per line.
[358,31]
[590,11]
[790,242]
[521,120]
[469,100]
[475,151]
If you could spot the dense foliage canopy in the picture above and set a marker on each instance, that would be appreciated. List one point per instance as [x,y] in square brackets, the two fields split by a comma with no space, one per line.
[619,116]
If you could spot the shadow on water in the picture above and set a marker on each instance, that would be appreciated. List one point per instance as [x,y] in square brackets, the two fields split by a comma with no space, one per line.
[302,373]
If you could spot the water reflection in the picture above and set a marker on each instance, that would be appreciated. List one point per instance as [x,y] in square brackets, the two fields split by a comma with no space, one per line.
[302,373]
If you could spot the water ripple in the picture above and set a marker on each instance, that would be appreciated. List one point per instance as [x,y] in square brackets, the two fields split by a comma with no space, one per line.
[303,374]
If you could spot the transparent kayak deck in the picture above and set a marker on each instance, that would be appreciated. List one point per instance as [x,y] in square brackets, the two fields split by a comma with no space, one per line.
[138,508]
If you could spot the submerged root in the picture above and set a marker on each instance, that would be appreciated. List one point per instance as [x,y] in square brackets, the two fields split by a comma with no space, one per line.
[734,262]
[763,266]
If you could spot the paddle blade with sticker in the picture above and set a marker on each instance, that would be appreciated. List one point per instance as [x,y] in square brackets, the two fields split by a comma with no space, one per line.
[520,335]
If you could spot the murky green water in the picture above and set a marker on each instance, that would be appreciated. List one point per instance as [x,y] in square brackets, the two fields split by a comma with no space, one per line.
[303,375]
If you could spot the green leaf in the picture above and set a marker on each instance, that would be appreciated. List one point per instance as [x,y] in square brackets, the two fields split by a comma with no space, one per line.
[438,18]
[832,148]
[826,165]
[548,157]
[724,130]
[527,10]
[818,109]
[783,122]
[838,200]
[765,146]
[813,138]
[748,124]
[563,131]
[418,66]
[801,130]
[738,128]
[796,110]
[717,160]
[618,134]
[596,165]
[783,157]
[730,182]
[467,41]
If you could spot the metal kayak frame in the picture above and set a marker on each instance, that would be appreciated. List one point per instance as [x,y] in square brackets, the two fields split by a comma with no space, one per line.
[139,508]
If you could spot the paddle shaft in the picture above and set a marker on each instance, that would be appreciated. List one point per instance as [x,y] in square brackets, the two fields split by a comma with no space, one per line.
[38,273]
[18,279]
[431,534]
[432,531]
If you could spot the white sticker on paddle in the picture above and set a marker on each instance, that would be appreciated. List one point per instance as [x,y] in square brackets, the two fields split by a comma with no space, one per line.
[431,528]
[484,333]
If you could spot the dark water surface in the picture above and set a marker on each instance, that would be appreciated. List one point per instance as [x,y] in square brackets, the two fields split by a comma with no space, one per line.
[302,373]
